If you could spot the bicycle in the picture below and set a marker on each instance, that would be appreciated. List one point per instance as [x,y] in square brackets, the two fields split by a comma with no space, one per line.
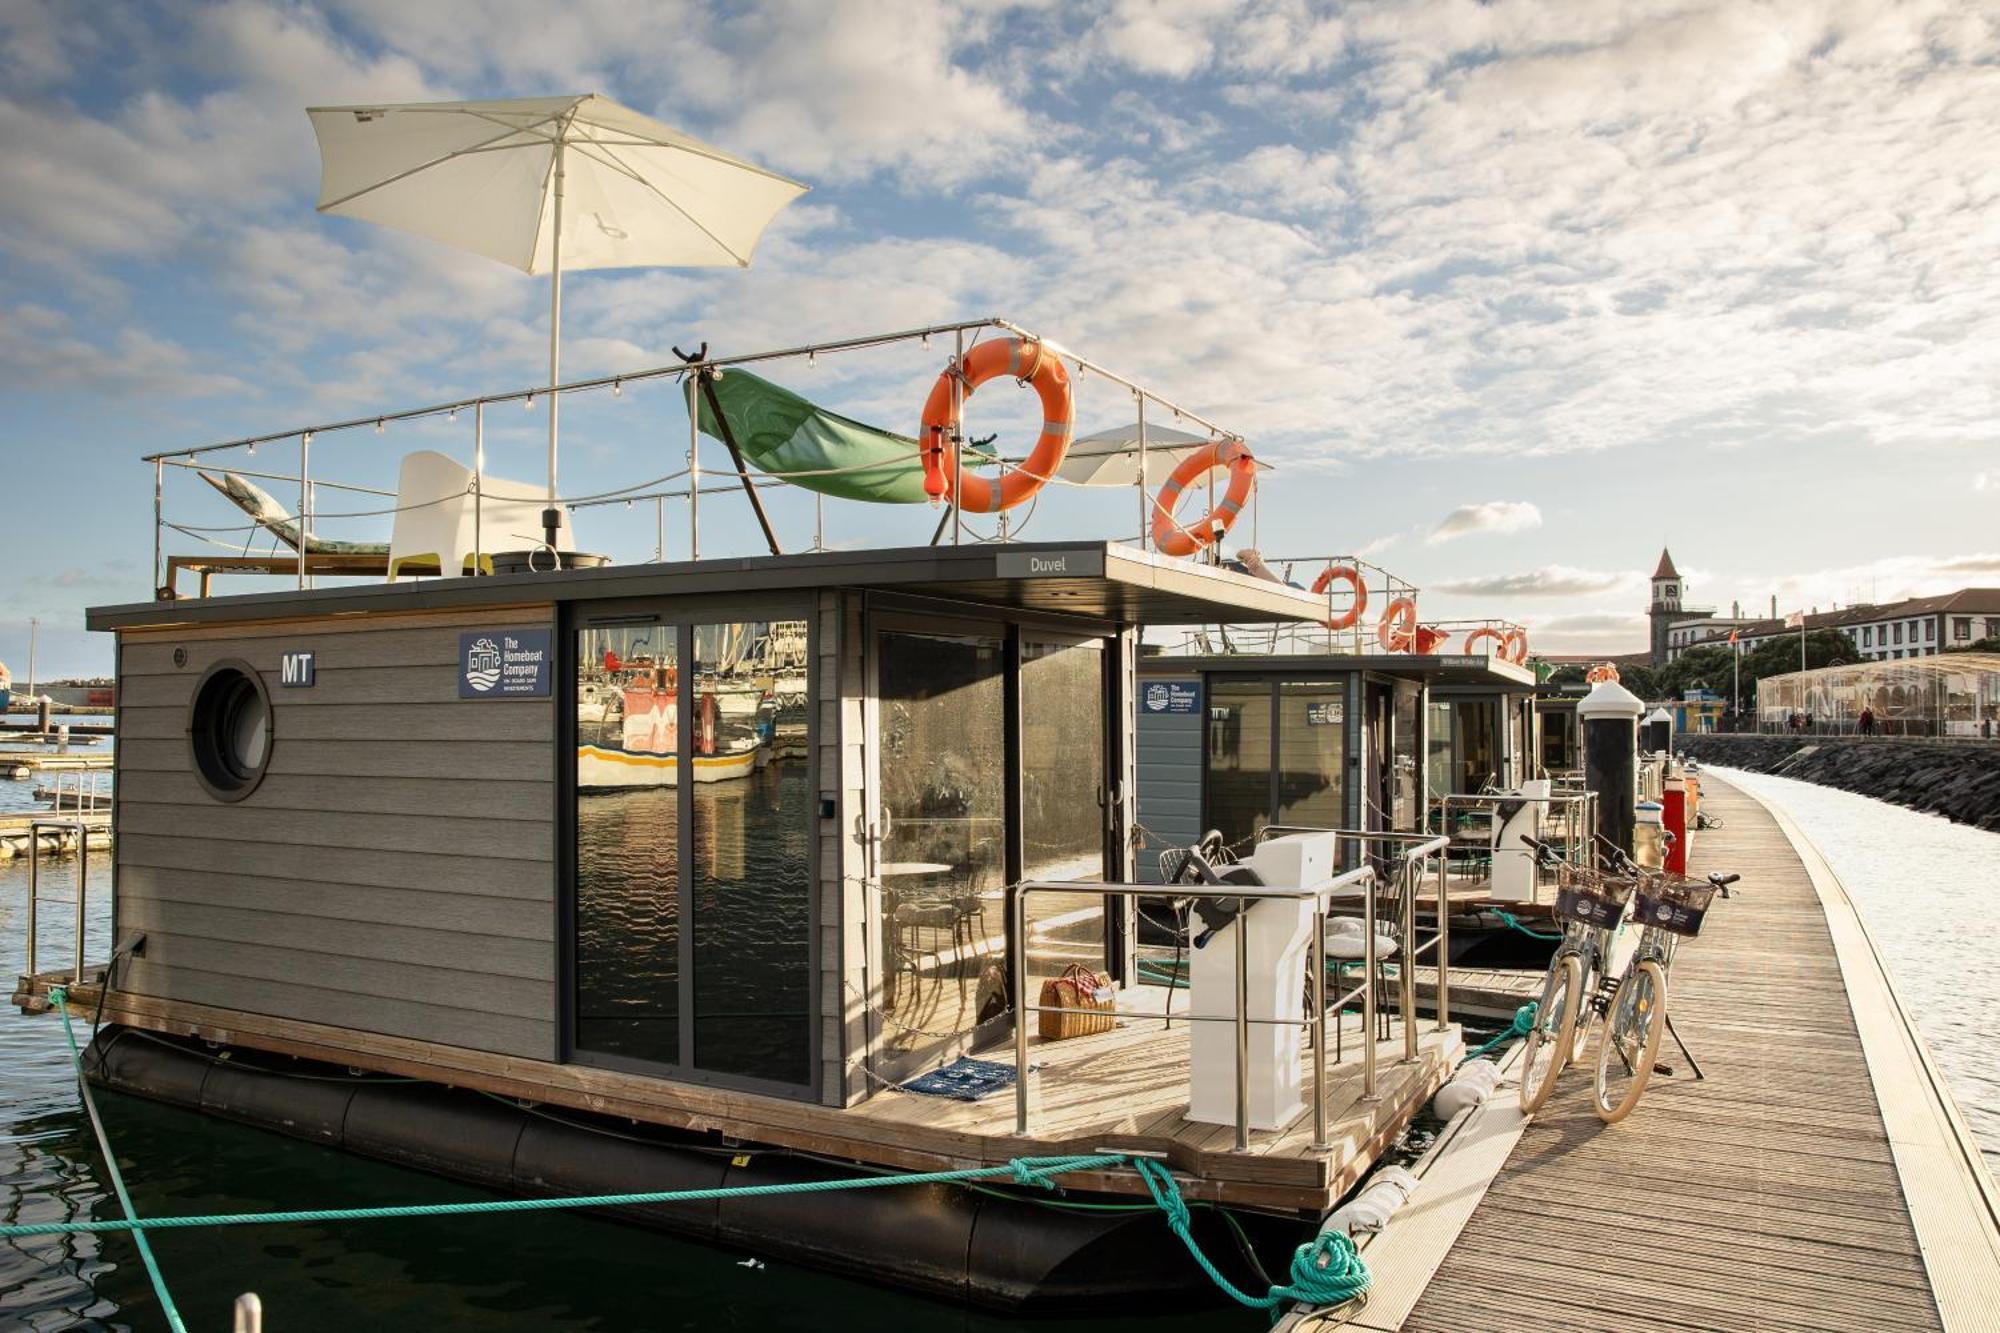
[1592,907]
[1668,909]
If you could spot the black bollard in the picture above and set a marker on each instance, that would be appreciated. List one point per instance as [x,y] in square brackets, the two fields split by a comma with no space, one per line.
[1609,715]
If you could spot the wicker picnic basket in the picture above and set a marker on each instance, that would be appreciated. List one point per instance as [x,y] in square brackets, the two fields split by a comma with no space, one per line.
[1076,1004]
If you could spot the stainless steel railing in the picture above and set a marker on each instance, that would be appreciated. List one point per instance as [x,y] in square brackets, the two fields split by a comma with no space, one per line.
[58,826]
[1418,854]
[1573,813]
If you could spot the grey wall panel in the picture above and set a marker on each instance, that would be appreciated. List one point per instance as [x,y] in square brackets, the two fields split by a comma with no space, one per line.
[460,761]
[1170,765]
[519,800]
[495,919]
[484,877]
[394,872]
[399,942]
[472,989]
[338,830]
[297,717]
[399,1016]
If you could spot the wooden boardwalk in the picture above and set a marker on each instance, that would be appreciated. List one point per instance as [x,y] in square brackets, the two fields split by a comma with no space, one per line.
[1764,1197]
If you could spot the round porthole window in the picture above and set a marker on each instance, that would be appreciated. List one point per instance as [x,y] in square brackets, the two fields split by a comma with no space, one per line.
[229,730]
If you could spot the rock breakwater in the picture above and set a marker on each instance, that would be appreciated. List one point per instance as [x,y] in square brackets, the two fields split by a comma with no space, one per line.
[1959,780]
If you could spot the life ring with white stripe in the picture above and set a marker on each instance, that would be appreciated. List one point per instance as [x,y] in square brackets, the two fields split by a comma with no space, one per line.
[1480,635]
[1398,630]
[1173,538]
[1515,647]
[1026,360]
[1351,576]
[1600,673]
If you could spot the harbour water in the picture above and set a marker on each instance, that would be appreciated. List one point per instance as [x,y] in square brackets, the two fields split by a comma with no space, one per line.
[1926,888]
[1920,882]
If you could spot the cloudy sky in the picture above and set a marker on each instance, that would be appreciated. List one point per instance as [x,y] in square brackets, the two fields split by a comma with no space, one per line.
[1511,293]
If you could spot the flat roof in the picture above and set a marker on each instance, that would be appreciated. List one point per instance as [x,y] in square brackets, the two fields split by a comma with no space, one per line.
[1103,580]
[1437,668]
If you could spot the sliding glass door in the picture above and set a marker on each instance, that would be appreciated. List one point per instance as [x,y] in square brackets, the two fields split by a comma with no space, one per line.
[694,897]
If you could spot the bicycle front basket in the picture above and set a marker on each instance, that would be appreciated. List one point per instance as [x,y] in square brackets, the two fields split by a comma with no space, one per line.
[1676,905]
[1592,900]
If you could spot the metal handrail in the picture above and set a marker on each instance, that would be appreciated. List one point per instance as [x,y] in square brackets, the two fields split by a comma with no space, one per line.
[1432,847]
[1421,847]
[82,831]
[1578,813]
[1315,1022]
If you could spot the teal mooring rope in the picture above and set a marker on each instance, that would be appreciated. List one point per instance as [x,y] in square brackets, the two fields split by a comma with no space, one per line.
[1325,1271]
[1523,1024]
[1513,922]
[153,1274]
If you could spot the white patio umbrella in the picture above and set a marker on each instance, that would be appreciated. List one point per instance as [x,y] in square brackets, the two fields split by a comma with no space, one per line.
[546,184]
[1111,457]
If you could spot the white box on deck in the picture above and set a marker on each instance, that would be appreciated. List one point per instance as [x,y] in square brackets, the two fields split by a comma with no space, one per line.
[1278,938]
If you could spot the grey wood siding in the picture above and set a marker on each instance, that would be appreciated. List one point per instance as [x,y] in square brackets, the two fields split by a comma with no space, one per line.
[1170,762]
[395,871]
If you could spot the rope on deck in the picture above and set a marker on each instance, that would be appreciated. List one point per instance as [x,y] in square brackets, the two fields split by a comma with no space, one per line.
[1523,1024]
[1513,922]
[1325,1271]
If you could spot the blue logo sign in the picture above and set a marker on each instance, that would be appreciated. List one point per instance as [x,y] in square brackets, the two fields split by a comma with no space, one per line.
[295,671]
[1171,696]
[505,664]
[1324,714]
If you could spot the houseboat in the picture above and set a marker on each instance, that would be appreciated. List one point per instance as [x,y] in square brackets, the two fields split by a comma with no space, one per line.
[435,829]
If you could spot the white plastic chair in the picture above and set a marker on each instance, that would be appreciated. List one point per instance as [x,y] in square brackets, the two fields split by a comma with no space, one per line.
[435,518]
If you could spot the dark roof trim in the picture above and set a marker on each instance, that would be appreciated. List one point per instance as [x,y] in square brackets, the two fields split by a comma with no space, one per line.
[1439,669]
[1104,580]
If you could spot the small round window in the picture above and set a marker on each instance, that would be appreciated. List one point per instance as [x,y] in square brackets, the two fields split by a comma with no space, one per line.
[229,730]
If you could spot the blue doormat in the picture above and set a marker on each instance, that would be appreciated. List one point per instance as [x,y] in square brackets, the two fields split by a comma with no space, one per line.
[964,1079]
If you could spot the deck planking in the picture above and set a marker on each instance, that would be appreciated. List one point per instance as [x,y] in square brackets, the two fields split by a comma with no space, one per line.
[1765,1196]
[1126,1088]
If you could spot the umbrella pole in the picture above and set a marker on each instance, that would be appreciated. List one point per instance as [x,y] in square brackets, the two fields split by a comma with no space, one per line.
[552,516]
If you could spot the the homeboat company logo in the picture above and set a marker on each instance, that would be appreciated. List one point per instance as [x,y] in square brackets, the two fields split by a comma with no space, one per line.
[1171,696]
[504,664]
[482,664]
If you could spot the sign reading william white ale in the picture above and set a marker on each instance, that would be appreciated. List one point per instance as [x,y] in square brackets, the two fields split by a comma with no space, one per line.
[505,664]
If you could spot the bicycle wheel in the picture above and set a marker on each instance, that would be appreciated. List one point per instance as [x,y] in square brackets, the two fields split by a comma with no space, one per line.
[1586,1015]
[1630,1041]
[1548,1041]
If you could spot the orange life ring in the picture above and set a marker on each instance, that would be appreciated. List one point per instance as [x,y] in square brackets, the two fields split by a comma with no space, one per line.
[1170,537]
[1430,639]
[1499,638]
[1600,673]
[1026,361]
[1398,630]
[1515,646]
[1352,577]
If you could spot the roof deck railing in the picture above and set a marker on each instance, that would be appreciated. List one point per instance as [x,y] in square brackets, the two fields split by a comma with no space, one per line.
[683,484]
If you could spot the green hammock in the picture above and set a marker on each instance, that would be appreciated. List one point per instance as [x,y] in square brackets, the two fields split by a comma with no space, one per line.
[787,436]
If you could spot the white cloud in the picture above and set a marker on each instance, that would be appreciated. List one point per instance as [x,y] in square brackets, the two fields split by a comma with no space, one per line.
[1501,516]
[41,353]
[1548,581]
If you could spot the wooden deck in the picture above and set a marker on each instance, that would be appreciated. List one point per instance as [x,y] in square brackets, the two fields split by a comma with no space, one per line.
[1126,1088]
[1767,1196]
[15,829]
